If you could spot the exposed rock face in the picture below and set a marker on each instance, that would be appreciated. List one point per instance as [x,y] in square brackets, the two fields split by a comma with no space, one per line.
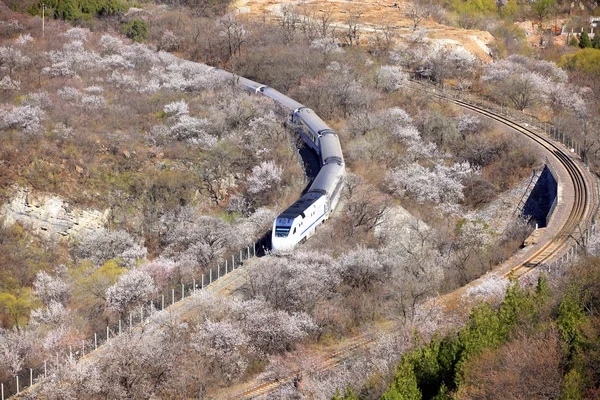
[50,215]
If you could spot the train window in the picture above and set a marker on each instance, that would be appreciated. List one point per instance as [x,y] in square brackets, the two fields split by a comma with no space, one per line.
[282,231]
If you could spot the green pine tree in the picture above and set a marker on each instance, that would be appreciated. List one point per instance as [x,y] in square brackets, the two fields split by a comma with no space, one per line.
[404,386]
[584,40]
[572,385]
[573,42]
[596,41]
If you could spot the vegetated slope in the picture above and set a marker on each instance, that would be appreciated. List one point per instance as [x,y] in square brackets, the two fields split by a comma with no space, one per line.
[402,147]
[185,163]
[540,343]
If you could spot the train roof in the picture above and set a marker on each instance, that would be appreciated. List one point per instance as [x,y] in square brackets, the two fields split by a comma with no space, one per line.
[300,205]
[327,178]
[249,84]
[330,147]
[312,120]
[281,98]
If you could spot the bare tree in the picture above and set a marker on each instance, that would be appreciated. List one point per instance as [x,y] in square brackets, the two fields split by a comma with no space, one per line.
[289,22]
[419,11]
[352,35]
[234,34]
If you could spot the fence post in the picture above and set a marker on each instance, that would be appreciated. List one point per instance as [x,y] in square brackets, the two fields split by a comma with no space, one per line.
[18,384]
[194,283]
[202,282]
[226,265]
[162,302]
[95,341]
[107,333]
[172,296]
[218,271]
[248,252]
[254,248]
[2,390]
[182,291]
[30,376]
[130,320]
[232,262]
[210,276]
[119,326]
[240,257]
[82,353]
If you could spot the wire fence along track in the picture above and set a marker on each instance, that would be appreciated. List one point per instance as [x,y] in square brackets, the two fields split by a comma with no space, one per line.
[573,235]
[28,377]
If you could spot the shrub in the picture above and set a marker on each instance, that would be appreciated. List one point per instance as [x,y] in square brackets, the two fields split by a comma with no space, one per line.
[584,40]
[136,30]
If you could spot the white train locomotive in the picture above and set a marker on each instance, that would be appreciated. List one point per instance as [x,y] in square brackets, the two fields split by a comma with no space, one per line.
[300,220]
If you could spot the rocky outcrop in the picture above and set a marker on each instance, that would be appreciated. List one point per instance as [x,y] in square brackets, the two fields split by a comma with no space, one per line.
[50,215]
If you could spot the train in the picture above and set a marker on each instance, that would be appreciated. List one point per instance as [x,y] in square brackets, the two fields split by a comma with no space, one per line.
[300,220]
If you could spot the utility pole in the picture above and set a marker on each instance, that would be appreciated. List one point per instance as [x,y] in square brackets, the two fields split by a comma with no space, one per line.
[43,19]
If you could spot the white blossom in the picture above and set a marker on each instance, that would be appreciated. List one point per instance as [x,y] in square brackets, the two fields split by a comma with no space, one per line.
[491,286]
[265,176]
[101,245]
[58,69]
[95,90]
[169,41]
[70,94]
[194,130]
[468,124]
[273,331]
[441,184]
[55,313]
[222,343]
[111,44]
[115,61]
[132,289]
[23,40]
[51,289]
[62,131]
[161,270]
[391,78]
[176,108]
[15,347]
[326,45]
[7,83]
[38,99]
[78,34]
[12,59]
[25,118]
[92,102]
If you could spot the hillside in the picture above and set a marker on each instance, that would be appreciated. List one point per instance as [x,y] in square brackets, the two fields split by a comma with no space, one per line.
[129,168]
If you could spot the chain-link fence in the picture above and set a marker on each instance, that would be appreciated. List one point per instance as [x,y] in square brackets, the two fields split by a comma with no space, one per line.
[29,376]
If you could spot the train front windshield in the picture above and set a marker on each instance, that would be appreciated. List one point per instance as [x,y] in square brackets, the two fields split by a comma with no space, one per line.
[282,231]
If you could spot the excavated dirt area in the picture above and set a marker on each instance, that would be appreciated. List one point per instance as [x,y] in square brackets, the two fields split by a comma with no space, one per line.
[375,14]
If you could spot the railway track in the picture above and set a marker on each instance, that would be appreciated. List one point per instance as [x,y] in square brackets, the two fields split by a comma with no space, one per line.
[580,214]
[330,361]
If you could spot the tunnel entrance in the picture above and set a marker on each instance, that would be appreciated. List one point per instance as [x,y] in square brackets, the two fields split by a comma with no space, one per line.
[542,200]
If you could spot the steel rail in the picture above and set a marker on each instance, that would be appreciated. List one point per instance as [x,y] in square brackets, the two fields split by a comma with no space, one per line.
[581,189]
[552,248]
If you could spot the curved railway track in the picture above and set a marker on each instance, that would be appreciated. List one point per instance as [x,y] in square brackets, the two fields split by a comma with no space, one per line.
[580,214]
